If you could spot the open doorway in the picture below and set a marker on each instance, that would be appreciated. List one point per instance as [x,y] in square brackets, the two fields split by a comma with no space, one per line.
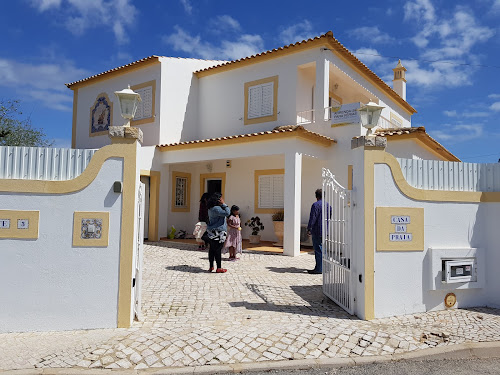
[213,185]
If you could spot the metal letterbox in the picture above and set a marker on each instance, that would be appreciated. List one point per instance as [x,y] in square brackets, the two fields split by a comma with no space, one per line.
[459,271]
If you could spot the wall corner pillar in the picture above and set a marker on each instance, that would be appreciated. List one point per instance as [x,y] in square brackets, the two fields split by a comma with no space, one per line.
[292,197]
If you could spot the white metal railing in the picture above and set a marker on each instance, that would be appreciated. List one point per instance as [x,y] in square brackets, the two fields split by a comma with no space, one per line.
[305,117]
[384,123]
[43,163]
[450,176]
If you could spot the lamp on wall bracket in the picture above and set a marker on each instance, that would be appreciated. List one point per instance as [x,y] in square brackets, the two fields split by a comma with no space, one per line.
[129,100]
[370,114]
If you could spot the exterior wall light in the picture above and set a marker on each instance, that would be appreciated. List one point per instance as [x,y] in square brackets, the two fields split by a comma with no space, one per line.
[370,113]
[129,101]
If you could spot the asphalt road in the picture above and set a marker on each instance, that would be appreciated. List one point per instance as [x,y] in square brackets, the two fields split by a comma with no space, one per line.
[434,367]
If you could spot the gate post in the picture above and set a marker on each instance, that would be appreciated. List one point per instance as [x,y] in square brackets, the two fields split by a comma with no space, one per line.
[363,221]
[130,140]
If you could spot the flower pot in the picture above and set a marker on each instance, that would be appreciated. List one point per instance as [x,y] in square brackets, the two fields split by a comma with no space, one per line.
[279,231]
[254,238]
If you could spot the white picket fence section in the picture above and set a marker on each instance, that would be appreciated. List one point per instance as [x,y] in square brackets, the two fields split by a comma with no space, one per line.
[450,176]
[43,163]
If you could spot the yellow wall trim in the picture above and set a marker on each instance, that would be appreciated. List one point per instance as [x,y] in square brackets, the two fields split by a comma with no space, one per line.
[153,102]
[208,176]
[187,176]
[75,112]
[430,195]
[369,221]
[428,143]
[349,177]
[274,116]
[385,228]
[78,241]
[257,174]
[31,232]
[154,203]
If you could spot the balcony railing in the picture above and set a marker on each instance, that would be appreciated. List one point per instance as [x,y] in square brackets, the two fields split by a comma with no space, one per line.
[305,117]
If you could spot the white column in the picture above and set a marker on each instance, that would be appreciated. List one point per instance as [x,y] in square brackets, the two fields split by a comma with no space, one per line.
[293,191]
[321,90]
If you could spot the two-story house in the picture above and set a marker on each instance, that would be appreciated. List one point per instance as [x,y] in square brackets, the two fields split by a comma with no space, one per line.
[258,129]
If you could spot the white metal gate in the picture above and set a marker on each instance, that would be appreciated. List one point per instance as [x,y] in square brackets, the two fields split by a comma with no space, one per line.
[337,240]
[139,249]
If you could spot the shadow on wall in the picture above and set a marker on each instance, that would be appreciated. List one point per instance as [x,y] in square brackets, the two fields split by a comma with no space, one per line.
[190,124]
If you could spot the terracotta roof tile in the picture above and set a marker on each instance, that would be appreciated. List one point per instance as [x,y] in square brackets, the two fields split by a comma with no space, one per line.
[280,129]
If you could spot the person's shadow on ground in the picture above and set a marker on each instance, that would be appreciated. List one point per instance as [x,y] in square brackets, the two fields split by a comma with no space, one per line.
[186,268]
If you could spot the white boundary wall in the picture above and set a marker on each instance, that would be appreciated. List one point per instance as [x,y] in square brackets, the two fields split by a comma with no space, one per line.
[404,281]
[47,284]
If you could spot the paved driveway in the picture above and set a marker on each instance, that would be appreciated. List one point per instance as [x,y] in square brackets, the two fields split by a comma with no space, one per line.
[264,308]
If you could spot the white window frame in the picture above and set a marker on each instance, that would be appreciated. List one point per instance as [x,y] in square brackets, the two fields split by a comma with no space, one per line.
[261,100]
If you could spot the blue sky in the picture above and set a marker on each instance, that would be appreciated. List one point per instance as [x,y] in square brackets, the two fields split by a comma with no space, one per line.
[46,43]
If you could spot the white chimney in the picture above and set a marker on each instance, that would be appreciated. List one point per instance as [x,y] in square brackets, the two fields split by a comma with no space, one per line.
[399,81]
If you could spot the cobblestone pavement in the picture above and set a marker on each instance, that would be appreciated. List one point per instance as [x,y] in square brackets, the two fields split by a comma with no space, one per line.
[264,308]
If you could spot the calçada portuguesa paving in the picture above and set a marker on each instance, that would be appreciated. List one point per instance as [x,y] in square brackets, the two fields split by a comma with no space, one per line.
[265,308]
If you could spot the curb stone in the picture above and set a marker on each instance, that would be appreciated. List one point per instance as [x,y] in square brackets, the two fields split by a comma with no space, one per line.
[481,350]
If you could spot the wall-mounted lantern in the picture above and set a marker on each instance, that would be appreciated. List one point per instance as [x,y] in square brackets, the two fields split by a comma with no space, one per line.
[370,113]
[129,101]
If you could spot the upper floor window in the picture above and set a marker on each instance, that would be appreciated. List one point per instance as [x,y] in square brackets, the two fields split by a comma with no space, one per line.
[146,108]
[261,100]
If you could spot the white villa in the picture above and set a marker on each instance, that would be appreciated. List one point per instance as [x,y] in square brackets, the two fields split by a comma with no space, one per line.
[259,129]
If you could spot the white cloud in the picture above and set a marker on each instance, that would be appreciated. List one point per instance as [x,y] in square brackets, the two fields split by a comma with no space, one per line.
[297,33]
[368,55]
[244,45]
[224,22]
[187,6]
[450,36]
[458,133]
[451,113]
[494,96]
[43,82]
[371,34]
[495,106]
[80,15]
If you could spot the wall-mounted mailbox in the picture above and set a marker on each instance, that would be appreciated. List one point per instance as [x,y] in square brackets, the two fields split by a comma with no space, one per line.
[459,270]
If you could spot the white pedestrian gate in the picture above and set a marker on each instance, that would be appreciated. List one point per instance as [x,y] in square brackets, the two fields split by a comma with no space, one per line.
[337,240]
[139,249]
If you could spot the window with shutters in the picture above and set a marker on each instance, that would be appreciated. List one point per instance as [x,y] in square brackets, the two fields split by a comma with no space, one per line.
[146,108]
[261,98]
[181,191]
[269,190]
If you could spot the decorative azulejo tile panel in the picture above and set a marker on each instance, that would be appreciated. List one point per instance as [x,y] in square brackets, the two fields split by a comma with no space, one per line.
[90,229]
[101,115]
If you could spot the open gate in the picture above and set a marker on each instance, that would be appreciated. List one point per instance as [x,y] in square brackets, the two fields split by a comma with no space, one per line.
[337,240]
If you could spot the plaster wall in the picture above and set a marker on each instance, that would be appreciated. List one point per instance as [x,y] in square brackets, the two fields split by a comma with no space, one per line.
[47,284]
[410,149]
[221,95]
[179,100]
[403,279]
[88,94]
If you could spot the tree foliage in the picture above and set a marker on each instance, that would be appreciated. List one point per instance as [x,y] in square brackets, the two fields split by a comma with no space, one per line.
[19,132]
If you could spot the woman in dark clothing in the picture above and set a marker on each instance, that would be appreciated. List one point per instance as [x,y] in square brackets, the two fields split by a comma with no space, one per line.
[203,217]
[203,212]
[217,230]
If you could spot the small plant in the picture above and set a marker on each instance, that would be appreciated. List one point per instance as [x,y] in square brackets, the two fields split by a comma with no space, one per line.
[279,216]
[255,225]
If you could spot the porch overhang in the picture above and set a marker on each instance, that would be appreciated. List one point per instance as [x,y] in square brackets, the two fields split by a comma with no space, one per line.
[281,140]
